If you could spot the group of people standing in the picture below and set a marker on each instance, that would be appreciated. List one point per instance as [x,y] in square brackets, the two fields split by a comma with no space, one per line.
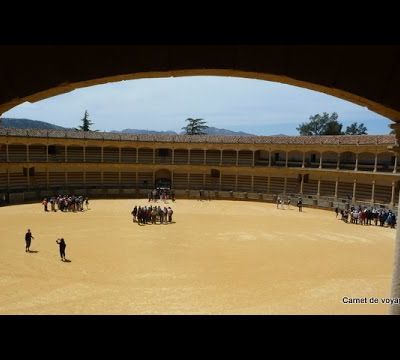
[152,214]
[66,203]
[280,203]
[60,242]
[367,215]
[161,194]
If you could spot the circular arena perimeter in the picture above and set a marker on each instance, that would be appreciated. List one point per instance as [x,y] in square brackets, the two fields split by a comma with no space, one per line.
[217,257]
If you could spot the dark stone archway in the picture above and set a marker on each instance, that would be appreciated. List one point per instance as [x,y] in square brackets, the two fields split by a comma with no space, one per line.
[163,179]
[365,75]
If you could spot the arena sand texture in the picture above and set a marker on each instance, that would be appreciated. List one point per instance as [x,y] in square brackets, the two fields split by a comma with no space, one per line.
[219,257]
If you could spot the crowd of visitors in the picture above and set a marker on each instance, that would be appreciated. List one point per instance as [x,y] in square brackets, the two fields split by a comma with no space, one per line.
[65,203]
[151,215]
[162,194]
[367,216]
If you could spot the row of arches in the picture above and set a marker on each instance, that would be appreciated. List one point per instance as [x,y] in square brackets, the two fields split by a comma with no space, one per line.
[341,188]
[383,161]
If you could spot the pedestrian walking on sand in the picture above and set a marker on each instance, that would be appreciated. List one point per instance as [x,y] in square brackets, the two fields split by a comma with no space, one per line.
[62,244]
[28,238]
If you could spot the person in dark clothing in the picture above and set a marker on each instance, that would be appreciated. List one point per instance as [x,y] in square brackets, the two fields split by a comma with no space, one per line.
[300,204]
[62,244]
[28,238]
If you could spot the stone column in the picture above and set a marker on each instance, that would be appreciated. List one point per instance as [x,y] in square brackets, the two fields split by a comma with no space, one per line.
[356,166]
[237,157]
[188,156]
[84,153]
[395,308]
[284,185]
[28,178]
[319,187]
[286,160]
[354,191]
[301,184]
[320,161]
[119,154]
[376,162]
[254,156]
[338,162]
[173,156]
[205,157]
[269,159]
[304,159]
[102,154]
[137,155]
[393,193]
[373,192]
[336,187]
[395,165]
[220,158]
[7,157]
[66,154]
[27,153]
[47,152]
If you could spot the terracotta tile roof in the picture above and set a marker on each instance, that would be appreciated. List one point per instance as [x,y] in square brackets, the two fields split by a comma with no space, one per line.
[295,140]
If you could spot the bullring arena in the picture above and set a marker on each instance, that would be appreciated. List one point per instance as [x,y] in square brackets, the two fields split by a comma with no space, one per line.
[231,252]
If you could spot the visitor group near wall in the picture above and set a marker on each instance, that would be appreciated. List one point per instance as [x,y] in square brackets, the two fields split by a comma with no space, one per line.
[152,214]
[66,203]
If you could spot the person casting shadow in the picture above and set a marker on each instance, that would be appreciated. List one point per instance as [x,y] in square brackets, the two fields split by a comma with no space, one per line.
[28,239]
[63,245]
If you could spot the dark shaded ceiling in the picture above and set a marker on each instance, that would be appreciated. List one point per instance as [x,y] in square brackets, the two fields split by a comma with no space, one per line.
[365,75]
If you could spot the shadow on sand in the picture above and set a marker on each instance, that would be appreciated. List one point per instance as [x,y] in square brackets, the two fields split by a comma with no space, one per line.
[66,260]
[33,251]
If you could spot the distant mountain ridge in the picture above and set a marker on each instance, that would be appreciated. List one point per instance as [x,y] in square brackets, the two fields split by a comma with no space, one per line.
[210,131]
[138,131]
[37,124]
[29,124]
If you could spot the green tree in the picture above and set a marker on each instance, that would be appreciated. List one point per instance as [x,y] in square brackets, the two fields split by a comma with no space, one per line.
[355,129]
[324,124]
[86,123]
[195,127]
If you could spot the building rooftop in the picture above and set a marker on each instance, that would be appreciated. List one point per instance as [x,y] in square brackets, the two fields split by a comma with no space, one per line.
[300,140]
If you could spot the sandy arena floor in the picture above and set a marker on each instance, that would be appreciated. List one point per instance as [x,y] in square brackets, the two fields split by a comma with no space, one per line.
[220,257]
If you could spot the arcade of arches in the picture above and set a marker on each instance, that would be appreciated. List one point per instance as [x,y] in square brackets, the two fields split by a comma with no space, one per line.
[365,75]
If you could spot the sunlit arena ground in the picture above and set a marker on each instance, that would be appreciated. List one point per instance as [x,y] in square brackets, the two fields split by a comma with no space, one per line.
[217,257]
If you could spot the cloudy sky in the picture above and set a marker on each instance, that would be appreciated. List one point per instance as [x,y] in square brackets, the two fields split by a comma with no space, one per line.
[254,106]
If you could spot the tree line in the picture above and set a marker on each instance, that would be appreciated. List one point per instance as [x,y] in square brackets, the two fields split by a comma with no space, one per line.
[318,124]
[326,124]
